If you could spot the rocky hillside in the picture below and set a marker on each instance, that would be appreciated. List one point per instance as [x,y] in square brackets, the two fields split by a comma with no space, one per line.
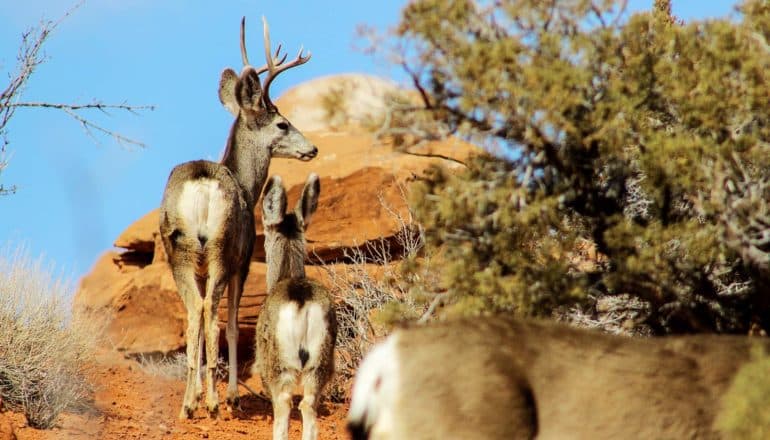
[363,187]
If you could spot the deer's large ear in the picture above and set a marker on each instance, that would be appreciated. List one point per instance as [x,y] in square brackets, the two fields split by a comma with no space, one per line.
[248,90]
[308,202]
[273,202]
[227,90]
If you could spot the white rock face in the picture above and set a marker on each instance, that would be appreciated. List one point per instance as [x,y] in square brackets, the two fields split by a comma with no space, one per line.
[363,98]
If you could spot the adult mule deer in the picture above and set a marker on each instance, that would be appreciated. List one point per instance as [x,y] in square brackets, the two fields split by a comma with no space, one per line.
[297,326]
[206,216]
[495,378]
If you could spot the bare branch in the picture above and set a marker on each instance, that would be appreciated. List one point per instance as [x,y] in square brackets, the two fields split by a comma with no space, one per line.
[88,125]
[29,57]
[417,84]
[96,105]
[434,155]
[437,300]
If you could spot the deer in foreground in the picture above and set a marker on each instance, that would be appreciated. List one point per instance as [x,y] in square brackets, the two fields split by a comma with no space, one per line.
[206,216]
[297,326]
[495,378]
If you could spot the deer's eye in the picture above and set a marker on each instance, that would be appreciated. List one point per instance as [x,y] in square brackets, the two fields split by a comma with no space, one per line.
[283,126]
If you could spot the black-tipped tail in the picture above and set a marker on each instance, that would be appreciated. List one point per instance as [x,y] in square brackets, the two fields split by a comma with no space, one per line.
[303,356]
[358,431]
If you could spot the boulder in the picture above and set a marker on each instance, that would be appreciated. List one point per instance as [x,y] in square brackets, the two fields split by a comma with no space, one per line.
[140,306]
[139,235]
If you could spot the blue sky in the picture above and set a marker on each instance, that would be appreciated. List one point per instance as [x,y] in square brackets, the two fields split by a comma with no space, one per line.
[75,196]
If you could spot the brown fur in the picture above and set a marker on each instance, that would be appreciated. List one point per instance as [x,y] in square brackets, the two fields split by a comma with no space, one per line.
[492,378]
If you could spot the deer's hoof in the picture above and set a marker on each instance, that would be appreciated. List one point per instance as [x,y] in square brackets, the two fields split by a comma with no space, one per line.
[213,410]
[234,403]
[186,413]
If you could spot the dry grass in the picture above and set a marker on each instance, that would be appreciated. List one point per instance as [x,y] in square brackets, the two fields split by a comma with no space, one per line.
[171,366]
[45,353]
[174,366]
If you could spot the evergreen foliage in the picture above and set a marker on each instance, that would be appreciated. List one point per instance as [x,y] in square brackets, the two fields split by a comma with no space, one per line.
[640,137]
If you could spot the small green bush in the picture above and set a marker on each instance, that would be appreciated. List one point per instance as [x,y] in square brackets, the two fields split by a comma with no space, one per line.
[746,405]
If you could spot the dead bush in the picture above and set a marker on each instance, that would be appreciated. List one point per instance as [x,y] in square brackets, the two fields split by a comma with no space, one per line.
[371,294]
[45,353]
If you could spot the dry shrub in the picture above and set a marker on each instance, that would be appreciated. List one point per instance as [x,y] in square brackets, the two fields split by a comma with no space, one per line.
[45,353]
[616,314]
[367,302]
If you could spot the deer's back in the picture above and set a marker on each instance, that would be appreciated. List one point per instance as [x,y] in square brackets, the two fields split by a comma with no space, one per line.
[560,382]
[203,211]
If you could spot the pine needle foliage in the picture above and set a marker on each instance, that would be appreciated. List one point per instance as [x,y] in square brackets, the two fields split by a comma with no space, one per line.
[647,137]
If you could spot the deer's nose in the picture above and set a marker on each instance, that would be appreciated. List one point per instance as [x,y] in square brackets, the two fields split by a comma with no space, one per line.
[314,152]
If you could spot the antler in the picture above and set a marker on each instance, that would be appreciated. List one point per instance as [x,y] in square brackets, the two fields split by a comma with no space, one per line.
[245,57]
[275,68]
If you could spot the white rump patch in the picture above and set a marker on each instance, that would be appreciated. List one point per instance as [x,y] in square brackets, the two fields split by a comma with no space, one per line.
[202,207]
[297,328]
[375,390]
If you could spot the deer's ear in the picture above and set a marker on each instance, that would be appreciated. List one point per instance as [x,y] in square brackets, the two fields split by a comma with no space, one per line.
[308,202]
[248,90]
[273,202]
[227,90]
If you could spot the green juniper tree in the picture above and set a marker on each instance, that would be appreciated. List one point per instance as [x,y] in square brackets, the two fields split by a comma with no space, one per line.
[643,136]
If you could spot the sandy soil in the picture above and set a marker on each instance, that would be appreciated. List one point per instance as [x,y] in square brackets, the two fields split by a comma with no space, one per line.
[130,403]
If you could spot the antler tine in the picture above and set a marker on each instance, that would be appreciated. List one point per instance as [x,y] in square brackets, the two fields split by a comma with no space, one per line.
[244,57]
[275,70]
[277,52]
[266,38]
[277,59]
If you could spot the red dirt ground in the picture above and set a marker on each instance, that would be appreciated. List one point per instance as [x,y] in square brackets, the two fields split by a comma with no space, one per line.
[132,404]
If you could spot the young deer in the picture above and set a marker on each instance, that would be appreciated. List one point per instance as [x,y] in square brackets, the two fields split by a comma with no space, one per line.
[495,378]
[206,216]
[297,327]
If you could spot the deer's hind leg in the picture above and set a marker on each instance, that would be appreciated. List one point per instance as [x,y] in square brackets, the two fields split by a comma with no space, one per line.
[188,290]
[234,289]
[214,291]
[308,406]
[280,392]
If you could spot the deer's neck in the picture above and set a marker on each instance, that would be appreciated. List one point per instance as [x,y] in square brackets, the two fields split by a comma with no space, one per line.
[248,157]
[286,259]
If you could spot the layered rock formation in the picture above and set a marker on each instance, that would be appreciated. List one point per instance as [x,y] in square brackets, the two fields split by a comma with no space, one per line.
[363,190]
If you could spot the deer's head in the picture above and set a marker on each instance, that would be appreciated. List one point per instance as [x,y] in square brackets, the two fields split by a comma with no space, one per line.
[258,119]
[285,231]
